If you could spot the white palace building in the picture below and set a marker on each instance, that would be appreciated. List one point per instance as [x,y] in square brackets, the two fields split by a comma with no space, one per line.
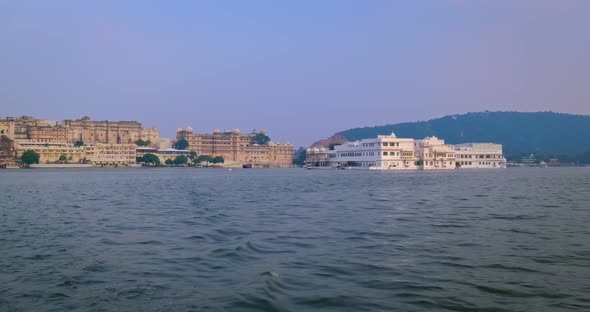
[388,152]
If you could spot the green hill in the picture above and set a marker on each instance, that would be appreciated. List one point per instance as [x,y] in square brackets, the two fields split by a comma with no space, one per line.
[543,133]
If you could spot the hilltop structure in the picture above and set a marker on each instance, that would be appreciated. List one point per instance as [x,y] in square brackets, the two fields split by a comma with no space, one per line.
[109,132]
[393,153]
[81,141]
[238,147]
[84,129]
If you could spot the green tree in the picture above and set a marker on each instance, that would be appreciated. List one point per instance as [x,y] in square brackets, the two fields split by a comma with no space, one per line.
[181,144]
[150,159]
[193,155]
[169,162]
[299,156]
[261,139]
[78,143]
[63,158]
[180,160]
[204,158]
[141,142]
[218,160]
[30,157]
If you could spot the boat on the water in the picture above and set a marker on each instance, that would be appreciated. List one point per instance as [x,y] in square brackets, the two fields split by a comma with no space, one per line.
[247,166]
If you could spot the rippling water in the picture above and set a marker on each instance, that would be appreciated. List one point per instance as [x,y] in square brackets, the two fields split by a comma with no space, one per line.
[295,240]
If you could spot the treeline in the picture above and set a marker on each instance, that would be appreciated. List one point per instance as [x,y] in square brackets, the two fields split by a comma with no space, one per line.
[180,160]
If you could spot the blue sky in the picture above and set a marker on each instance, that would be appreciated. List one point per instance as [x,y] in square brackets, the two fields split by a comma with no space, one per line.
[300,69]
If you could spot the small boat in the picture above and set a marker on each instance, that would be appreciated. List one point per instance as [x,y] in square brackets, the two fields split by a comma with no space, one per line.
[246,166]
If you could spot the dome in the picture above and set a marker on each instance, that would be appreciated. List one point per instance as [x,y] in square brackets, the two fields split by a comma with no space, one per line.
[216,131]
[271,143]
[263,131]
[322,149]
[393,135]
[189,128]
[315,150]
[308,150]
[236,131]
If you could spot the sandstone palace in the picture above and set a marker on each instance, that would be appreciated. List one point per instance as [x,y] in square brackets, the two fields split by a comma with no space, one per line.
[123,143]
[239,147]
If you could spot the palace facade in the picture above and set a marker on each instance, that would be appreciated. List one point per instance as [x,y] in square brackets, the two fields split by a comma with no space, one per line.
[98,154]
[393,153]
[238,147]
[109,132]
[70,131]
[479,155]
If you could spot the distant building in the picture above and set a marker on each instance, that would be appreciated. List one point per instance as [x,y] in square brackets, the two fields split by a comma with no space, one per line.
[152,135]
[70,131]
[18,128]
[433,153]
[111,132]
[98,154]
[317,157]
[7,152]
[166,143]
[111,154]
[47,134]
[480,155]
[393,153]
[7,128]
[239,147]
[50,153]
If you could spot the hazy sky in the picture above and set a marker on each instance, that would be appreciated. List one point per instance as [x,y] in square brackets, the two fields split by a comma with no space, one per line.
[301,69]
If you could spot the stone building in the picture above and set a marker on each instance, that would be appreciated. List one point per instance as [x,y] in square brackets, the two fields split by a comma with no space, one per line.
[18,128]
[479,155]
[152,135]
[70,131]
[50,153]
[317,157]
[7,152]
[432,153]
[108,132]
[47,134]
[7,128]
[98,154]
[238,147]
[166,143]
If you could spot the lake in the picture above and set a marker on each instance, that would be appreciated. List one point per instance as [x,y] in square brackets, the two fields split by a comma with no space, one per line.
[514,239]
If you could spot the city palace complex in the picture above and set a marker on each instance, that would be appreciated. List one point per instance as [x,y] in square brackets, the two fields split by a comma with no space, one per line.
[87,143]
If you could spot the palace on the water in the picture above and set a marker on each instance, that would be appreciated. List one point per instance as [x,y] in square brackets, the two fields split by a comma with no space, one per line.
[388,152]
